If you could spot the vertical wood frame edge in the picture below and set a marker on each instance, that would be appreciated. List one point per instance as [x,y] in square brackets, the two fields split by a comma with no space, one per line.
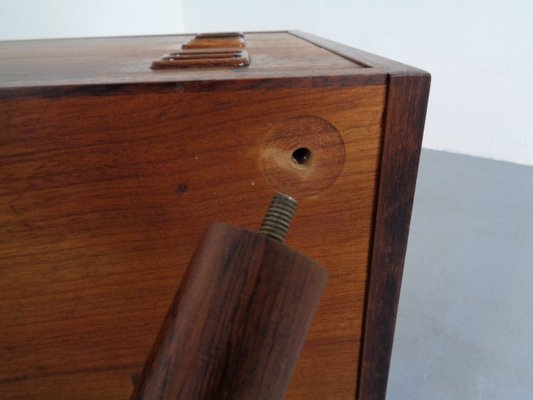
[403,127]
[407,96]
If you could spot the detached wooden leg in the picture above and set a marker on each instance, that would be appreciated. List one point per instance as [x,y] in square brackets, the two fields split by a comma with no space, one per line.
[239,319]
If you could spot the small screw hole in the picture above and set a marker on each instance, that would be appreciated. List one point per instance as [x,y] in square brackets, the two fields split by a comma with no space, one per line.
[301,156]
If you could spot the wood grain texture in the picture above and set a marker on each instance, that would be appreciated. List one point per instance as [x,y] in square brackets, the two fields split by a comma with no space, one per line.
[404,125]
[211,58]
[364,59]
[203,42]
[105,194]
[407,97]
[110,171]
[238,322]
[104,61]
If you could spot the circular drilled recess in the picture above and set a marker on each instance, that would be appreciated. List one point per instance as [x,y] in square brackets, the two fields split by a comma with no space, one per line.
[303,156]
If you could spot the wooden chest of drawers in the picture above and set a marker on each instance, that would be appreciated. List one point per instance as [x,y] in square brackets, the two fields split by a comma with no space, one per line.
[110,169]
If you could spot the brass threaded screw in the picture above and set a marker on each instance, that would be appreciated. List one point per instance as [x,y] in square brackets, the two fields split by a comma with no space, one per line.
[278,217]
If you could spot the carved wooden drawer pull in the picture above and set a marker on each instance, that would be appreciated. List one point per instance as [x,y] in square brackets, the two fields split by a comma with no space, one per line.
[204,59]
[208,50]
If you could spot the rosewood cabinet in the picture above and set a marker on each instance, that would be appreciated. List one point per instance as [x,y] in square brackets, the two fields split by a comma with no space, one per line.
[115,154]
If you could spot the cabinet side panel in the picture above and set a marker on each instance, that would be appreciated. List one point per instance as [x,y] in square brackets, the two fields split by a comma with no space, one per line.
[104,197]
[404,124]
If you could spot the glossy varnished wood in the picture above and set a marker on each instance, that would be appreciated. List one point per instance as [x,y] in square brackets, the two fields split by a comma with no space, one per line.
[104,198]
[404,125]
[214,43]
[407,97]
[210,58]
[110,171]
[107,61]
[238,322]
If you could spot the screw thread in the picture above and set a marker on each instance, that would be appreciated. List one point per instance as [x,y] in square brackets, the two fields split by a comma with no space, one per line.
[278,217]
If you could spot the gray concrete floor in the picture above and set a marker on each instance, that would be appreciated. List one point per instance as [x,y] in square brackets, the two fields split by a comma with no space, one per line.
[465,320]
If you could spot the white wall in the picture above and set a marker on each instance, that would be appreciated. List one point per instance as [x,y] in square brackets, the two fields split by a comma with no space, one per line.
[480,52]
[36,19]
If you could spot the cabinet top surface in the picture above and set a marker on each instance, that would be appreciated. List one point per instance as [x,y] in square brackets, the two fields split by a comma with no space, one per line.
[123,60]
